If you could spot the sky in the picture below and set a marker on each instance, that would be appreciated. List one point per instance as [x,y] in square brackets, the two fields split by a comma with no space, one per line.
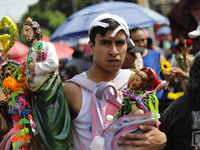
[15,8]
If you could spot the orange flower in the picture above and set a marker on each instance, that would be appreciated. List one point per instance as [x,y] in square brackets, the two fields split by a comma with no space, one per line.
[25,138]
[11,83]
[14,139]
[19,126]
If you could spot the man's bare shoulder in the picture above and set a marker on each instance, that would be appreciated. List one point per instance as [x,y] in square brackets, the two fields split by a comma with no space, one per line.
[71,90]
[70,86]
[73,96]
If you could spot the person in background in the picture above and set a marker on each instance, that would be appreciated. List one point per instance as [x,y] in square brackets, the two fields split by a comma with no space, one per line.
[181,46]
[109,35]
[151,58]
[133,59]
[182,127]
[61,67]
[152,46]
[5,118]
[69,72]
[195,36]
[78,61]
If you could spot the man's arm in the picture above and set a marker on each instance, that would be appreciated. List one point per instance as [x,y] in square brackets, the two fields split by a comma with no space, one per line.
[73,96]
[152,139]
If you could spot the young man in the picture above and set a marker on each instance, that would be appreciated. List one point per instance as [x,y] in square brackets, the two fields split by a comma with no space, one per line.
[108,43]
[47,100]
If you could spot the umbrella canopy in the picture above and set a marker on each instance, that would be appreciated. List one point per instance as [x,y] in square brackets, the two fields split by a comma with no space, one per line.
[63,51]
[77,24]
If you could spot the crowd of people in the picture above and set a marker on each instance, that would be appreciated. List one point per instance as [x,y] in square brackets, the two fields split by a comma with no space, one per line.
[58,103]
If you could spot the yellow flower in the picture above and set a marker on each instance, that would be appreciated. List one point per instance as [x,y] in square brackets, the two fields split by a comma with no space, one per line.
[165,65]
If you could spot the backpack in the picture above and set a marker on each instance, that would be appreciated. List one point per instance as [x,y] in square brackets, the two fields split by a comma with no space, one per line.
[104,103]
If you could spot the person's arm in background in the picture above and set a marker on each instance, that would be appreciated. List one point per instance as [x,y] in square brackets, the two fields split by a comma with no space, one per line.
[179,74]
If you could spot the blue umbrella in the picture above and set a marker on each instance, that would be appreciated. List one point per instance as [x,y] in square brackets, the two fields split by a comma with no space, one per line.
[77,24]
[163,30]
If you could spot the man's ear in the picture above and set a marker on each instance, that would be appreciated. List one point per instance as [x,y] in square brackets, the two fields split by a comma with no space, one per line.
[91,46]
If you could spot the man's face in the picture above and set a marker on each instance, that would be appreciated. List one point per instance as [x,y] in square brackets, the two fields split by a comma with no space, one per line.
[109,52]
[28,33]
[139,38]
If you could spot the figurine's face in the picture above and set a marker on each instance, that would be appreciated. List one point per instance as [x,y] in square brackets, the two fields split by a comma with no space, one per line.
[137,82]
[28,32]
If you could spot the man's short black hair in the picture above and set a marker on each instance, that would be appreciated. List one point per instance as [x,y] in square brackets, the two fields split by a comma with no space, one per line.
[113,24]
[133,30]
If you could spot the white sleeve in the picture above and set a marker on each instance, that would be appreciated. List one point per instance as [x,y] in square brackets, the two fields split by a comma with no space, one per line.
[51,63]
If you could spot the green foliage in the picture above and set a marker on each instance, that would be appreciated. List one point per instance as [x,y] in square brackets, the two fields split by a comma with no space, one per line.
[182,62]
[46,32]
[5,30]
[82,4]
[50,14]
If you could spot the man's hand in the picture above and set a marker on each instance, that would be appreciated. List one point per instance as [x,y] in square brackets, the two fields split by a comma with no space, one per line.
[31,67]
[152,139]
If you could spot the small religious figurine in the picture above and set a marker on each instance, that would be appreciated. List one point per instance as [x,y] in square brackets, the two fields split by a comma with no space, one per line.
[139,84]
[139,96]
[47,100]
[138,81]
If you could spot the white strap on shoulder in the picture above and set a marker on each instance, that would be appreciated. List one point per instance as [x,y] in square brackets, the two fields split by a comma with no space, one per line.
[122,79]
[83,82]
[102,87]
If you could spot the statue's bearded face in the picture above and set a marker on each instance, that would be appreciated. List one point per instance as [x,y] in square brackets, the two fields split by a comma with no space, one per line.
[29,34]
